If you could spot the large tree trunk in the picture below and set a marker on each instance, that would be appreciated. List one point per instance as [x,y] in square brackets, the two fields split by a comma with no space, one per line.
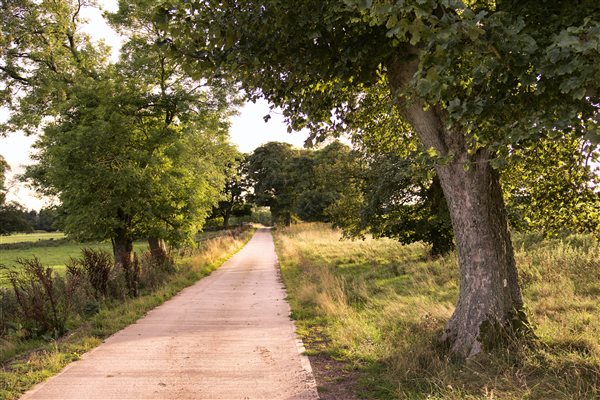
[158,248]
[226,217]
[490,300]
[122,249]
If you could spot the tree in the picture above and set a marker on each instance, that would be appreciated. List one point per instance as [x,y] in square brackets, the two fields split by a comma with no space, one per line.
[12,216]
[119,179]
[4,168]
[399,195]
[173,100]
[471,80]
[270,170]
[132,149]
[233,202]
[327,182]
[395,200]
[47,219]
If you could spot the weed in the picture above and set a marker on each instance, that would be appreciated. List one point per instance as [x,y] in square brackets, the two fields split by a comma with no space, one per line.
[42,297]
[97,266]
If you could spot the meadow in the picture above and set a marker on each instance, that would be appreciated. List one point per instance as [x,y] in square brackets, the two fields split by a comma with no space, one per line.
[371,312]
[30,237]
[55,253]
[54,250]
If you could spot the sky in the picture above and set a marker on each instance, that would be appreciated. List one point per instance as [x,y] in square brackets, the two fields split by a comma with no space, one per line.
[248,129]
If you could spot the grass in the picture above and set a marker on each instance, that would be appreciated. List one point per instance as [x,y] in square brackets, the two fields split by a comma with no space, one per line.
[55,251]
[26,363]
[30,237]
[379,307]
[55,254]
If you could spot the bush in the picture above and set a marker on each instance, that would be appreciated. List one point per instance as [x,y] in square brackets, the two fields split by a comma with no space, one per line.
[96,266]
[154,269]
[43,299]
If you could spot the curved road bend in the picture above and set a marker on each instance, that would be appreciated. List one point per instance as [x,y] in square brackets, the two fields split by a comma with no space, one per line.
[229,336]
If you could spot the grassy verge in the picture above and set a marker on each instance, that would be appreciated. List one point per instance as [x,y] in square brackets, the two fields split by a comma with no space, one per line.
[27,363]
[375,308]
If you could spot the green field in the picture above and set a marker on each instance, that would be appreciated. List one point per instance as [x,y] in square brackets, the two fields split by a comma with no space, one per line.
[374,310]
[30,237]
[54,253]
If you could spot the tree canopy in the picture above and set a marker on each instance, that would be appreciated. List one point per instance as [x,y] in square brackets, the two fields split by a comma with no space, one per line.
[131,149]
[471,80]
[297,183]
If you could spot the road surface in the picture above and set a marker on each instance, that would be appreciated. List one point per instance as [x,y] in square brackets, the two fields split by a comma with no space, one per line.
[229,336]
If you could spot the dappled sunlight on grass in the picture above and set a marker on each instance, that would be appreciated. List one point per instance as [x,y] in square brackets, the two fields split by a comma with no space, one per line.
[381,307]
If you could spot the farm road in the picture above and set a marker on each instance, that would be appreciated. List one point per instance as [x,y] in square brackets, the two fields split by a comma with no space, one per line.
[229,336]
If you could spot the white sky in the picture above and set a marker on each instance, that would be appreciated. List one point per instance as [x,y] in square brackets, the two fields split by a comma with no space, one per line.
[248,129]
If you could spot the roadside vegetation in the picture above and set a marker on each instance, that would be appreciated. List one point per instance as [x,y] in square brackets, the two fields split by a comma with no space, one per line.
[53,252]
[376,308]
[29,355]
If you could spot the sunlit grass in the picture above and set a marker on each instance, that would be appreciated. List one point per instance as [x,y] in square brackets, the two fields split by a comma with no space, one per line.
[56,255]
[30,237]
[382,306]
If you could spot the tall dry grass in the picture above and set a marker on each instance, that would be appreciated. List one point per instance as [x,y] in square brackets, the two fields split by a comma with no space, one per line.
[381,306]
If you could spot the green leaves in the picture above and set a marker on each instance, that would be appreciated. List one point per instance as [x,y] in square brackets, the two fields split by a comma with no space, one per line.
[297,182]
[137,146]
[552,187]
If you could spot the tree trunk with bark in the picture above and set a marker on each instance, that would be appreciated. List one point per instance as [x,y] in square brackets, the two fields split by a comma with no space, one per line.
[124,259]
[490,304]
[226,217]
[158,248]
[122,249]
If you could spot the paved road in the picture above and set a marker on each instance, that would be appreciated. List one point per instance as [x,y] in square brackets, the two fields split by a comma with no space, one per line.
[227,337]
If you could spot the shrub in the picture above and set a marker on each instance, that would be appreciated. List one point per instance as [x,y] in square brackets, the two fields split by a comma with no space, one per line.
[154,269]
[42,298]
[97,266]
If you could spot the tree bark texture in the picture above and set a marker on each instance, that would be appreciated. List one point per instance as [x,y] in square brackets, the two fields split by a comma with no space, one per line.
[124,259]
[158,248]
[490,298]
[226,217]
[122,249]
